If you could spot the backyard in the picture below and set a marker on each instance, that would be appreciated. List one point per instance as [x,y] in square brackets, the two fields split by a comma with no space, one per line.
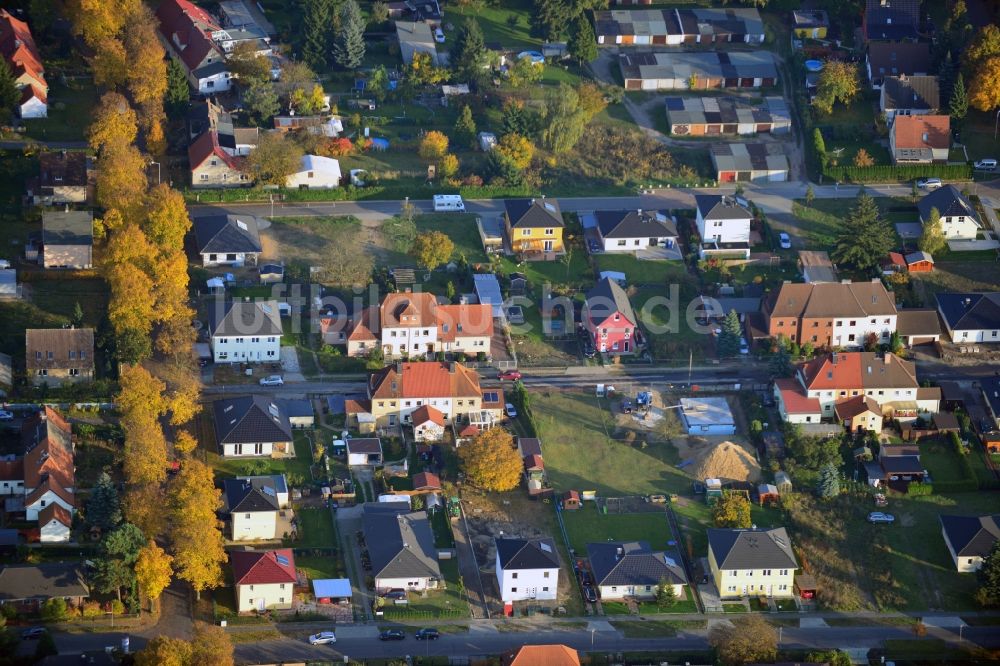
[450,602]
[588,525]
[821,218]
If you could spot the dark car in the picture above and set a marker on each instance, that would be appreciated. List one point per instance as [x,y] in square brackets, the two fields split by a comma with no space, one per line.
[590,594]
[589,351]
[594,246]
[395,594]
[392,635]
[427,634]
[33,633]
[585,577]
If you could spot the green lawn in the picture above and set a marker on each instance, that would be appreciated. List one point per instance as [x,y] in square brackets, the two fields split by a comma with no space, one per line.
[821,218]
[231,467]
[315,529]
[319,566]
[496,22]
[657,628]
[685,605]
[449,602]
[642,272]
[460,228]
[587,525]
[70,106]
[941,461]
[978,135]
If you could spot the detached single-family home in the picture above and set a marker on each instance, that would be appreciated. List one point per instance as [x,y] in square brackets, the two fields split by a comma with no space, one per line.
[751,562]
[62,178]
[610,320]
[534,226]
[315,173]
[707,416]
[527,569]
[401,546]
[227,240]
[896,468]
[364,451]
[264,580]
[632,569]
[909,96]
[428,424]
[541,655]
[896,59]
[186,33]
[49,472]
[970,539]
[251,426]
[27,587]
[414,38]
[891,20]
[970,317]
[723,225]
[831,314]
[810,23]
[920,139]
[253,504]
[57,356]
[212,165]
[634,230]
[245,332]
[959,220]
[67,239]
[18,49]
[54,523]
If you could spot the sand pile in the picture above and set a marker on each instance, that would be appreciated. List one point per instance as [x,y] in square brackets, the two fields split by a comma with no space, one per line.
[728,461]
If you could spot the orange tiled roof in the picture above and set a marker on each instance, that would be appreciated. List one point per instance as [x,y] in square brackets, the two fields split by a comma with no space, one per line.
[795,399]
[56,511]
[17,46]
[408,310]
[49,449]
[915,132]
[456,321]
[424,379]
[47,485]
[542,655]
[426,413]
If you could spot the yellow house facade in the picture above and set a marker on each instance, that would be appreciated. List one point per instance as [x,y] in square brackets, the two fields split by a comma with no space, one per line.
[810,23]
[534,226]
[400,389]
[751,562]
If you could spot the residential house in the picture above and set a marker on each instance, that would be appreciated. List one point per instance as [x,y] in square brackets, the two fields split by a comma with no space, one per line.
[213,166]
[398,390]
[54,524]
[49,471]
[401,546]
[919,262]
[917,326]
[428,424]
[896,59]
[701,70]
[970,539]
[712,116]
[67,239]
[364,451]
[959,220]
[610,320]
[315,173]
[634,230]
[27,587]
[749,162]
[534,226]
[300,413]
[227,240]
[859,414]
[676,27]
[541,655]
[751,562]
[920,139]
[891,20]
[245,332]
[970,317]
[208,117]
[837,314]
[909,96]
[254,504]
[707,416]
[810,23]
[251,426]
[897,467]
[11,476]
[186,33]
[794,405]
[632,569]
[264,580]
[414,38]
[18,49]
[527,569]
[723,225]
[426,482]
[63,178]
[57,356]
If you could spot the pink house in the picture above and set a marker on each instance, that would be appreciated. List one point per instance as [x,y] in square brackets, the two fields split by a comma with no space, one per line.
[609,319]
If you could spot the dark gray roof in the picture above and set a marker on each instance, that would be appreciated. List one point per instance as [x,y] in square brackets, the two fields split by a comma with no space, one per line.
[972,536]
[970,311]
[400,542]
[533,213]
[364,445]
[297,407]
[901,464]
[9,537]
[718,207]
[949,201]
[751,549]
[255,493]
[911,92]
[894,58]
[74,227]
[226,233]
[606,298]
[42,581]
[249,420]
[633,224]
[230,318]
[633,563]
[918,321]
[211,69]
[991,390]
[527,553]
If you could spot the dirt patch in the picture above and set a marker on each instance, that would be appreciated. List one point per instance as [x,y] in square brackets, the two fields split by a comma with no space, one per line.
[727,461]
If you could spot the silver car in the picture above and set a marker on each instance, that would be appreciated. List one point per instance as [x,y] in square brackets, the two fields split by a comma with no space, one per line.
[272,380]
[879,517]
[323,638]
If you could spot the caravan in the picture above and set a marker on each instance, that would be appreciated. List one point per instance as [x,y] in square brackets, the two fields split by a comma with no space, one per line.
[448,202]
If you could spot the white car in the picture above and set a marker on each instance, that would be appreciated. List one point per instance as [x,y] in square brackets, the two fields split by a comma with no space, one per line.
[510,410]
[879,517]
[6,416]
[323,638]
[439,35]
[988,164]
[272,380]
[744,347]
[785,241]
[929,183]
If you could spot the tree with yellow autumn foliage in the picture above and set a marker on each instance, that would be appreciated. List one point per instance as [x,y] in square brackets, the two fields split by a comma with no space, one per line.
[433,146]
[196,535]
[121,179]
[491,461]
[153,571]
[114,122]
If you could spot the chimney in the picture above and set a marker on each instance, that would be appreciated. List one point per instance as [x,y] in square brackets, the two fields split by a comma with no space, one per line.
[887,358]
[833,358]
[619,553]
[451,367]
[639,211]
[399,367]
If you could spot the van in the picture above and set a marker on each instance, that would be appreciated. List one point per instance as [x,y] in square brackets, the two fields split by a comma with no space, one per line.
[985,165]
[448,202]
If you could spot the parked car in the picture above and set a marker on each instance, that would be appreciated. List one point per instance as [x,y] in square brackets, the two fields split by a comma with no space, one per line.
[989,164]
[626,406]
[879,517]
[785,241]
[427,634]
[510,410]
[392,635]
[509,375]
[593,246]
[6,416]
[590,594]
[397,593]
[744,346]
[930,183]
[585,577]
[323,638]
[439,35]
[33,633]
[588,350]
[272,380]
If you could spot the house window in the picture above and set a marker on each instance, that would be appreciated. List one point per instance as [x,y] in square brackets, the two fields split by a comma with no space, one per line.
[513,589]
[545,589]
[731,588]
[550,232]
[74,372]
[526,232]
[614,589]
[621,243]
[649,587]
[214,162]
[514,575]
[782,588]
[783,572]
[49,355]
[247,516]
[281,586]
[281,600]
[72,354]
[767,572]
[203,177]
[545,574]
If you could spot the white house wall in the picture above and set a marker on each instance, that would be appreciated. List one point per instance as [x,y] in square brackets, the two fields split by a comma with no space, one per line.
[255,526]
[271,595]
[31,510]
[246,349]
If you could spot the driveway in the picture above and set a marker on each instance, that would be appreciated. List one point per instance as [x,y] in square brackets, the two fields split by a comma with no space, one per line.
[348,525]
[468,567]
[290,365]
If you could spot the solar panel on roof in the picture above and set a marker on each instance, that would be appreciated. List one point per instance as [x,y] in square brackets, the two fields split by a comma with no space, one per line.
[675,104]
[491,396]
[282,560]
[267,490]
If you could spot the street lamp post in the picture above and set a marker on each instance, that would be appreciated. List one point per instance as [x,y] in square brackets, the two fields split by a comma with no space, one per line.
[157,171]
[995,124]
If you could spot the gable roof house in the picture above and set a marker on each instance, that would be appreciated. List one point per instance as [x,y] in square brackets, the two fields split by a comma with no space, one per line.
[63,177]
[959,220]
[415,37]
[635,230]
[245,332]
[891,20]
[251,426]
[909,96]
[723,225]
[227,240]
[27,587]
[428,424]
[49,472]
[610,320]
[17,47]
[315,172]
[253,504]
[67,239]
[542,655]
[896,59]
[970,317]
[527,569]
[212,165]
[398,390]
[534,226]
[56,356]
[364,451]
[920,139]
[970,539]
[632,569]
[264,580]
[918,326]
[401,546]
[751,562]
[186,33]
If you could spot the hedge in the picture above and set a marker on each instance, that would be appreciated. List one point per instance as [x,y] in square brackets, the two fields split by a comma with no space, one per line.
[350,193]
[898,173]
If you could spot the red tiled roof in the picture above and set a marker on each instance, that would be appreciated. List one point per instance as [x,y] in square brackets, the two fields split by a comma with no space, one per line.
[848,409]
[17,46]
[856,370]
[408,310]
[896,259]
[424,379]
[542,655]
[48,442]
[12,470]
[55,511]
[357,406]
[533,461]
[44,487]
[468,431]
[426,480]
[188,28]
[795,399]
[260,568]
[207,145]
[464,321]
[426,413]
[910,132]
